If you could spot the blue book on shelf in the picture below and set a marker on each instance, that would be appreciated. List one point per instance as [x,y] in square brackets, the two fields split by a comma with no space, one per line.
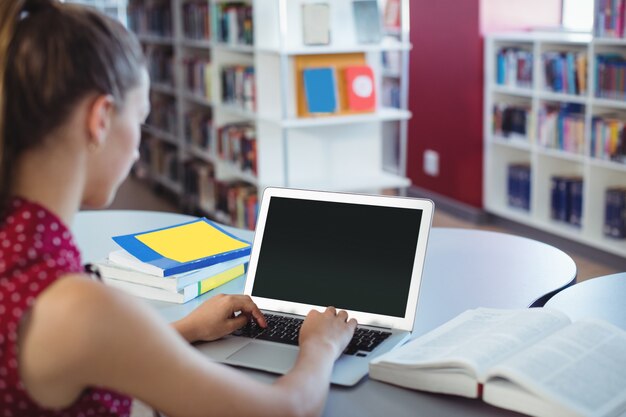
[571,73]
[576,201]
[558,75]
[320,89]
[183,247]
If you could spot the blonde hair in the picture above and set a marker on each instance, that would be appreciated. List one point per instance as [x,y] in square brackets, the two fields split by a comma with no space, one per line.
[51,56]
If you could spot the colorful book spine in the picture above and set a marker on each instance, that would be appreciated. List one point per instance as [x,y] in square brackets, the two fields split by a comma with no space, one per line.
[514,67]
[237,144]
[155,20]
[609,18]
[561,127]
[511,121]
[611,76]
[565,72]
[234,23]
[160,64]
[163,115]
[608,138]
[199,128]
[198,76]
[239,86]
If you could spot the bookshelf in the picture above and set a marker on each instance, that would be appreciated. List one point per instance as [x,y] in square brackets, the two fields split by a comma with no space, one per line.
[214,68]
[113,8]
[551,130]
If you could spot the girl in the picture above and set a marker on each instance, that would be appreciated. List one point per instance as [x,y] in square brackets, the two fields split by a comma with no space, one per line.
[73,93]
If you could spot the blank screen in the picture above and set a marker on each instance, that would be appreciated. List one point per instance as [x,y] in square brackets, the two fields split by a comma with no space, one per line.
[351,256]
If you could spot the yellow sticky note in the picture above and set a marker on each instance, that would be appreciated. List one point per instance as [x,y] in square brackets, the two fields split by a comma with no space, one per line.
[190,242]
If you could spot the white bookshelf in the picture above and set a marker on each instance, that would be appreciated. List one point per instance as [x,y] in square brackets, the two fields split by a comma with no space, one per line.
[338,152]
[500,152]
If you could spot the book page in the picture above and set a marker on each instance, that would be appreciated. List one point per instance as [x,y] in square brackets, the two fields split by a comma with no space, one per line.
[477,338]
[582,367]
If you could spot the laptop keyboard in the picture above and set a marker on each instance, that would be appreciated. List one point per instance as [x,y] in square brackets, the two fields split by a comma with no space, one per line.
[283,329]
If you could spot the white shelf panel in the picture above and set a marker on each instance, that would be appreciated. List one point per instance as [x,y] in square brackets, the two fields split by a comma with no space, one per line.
[162,88]
[543,37]
[516,214]
[329,49]
[202,154]
[513,90]
[513,142]
[232,47]
[160,134]
[616,246]
[610,41]
[196,43]
[562,97]
[601,163]
[557,153]
[383,180]
[231,108]
[197,99]
[156,40]
[605,102]
[235,171]
[383,115]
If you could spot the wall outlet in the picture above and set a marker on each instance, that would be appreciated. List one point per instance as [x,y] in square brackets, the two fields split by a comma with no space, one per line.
[431,162]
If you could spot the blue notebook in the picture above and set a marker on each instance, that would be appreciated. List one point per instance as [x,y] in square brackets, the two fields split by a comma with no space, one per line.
[183,247]
[320,89]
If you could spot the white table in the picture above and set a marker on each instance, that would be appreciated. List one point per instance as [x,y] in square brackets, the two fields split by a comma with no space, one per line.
[599,298]
[464,269]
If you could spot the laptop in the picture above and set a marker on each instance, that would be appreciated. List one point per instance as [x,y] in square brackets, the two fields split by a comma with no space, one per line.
[313,249]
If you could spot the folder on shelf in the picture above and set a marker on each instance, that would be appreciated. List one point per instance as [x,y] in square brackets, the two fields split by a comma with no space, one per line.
[367,21]
[320,89]
[183,247]
[316,23]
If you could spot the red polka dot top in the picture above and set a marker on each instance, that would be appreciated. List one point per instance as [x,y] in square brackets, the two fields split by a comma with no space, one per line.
[36,248]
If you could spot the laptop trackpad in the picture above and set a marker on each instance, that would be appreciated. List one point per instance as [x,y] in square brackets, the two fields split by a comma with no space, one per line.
[272,357]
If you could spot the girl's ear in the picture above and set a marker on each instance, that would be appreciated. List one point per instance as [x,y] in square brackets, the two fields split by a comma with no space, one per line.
[99,119]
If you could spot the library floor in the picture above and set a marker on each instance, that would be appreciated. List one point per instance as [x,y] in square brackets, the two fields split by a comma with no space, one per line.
[135,195]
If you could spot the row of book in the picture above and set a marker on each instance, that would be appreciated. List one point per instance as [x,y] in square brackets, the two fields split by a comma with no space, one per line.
[239,86]
[609,21]
[160,64]
[155,20]
[567,199]
[196,22]
[608,138]
[562,127]
[183,270]
[162,114]
[518,186]
[514,67]
[615,213]
[198,76]
[512,120]
[390,95]
[565,72]
[237,143]
[611,76]
[233,22]
[199,128]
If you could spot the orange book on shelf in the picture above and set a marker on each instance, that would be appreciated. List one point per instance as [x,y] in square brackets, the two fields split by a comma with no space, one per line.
[337,61]
[360,88]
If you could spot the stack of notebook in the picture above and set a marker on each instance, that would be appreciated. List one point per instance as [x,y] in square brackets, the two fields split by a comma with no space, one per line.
[176,263]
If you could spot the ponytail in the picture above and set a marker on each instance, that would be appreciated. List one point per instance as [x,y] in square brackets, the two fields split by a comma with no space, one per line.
[52,55]
[9,14]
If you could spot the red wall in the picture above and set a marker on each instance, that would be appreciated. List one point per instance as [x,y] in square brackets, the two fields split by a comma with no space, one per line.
[446,85]
[445,96]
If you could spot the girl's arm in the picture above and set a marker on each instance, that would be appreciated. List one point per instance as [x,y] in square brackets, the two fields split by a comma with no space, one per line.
[81,333]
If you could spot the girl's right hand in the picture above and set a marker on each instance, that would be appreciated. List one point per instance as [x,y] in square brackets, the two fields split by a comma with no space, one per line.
[330,327]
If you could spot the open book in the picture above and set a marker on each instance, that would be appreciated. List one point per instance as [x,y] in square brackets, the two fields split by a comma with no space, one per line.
[533,361]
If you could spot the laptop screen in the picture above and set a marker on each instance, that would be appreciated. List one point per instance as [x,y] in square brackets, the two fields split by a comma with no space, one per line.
[352,256]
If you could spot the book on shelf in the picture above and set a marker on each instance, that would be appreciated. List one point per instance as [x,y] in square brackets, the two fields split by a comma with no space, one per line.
[609,18]
[615,212]
[196,23]
[367,21]
[534,361]
[233,22]
[567,199]
[512,120]
[608,137]
[320,89]
[514,67]
[360,86]
[315,23]
[519,186]
[610,70]
[393,15]
[148,286]
[565,72]
[179,248]
[239,86]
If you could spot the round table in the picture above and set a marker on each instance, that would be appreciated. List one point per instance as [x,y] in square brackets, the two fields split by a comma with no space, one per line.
[598,298]
[464,268]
